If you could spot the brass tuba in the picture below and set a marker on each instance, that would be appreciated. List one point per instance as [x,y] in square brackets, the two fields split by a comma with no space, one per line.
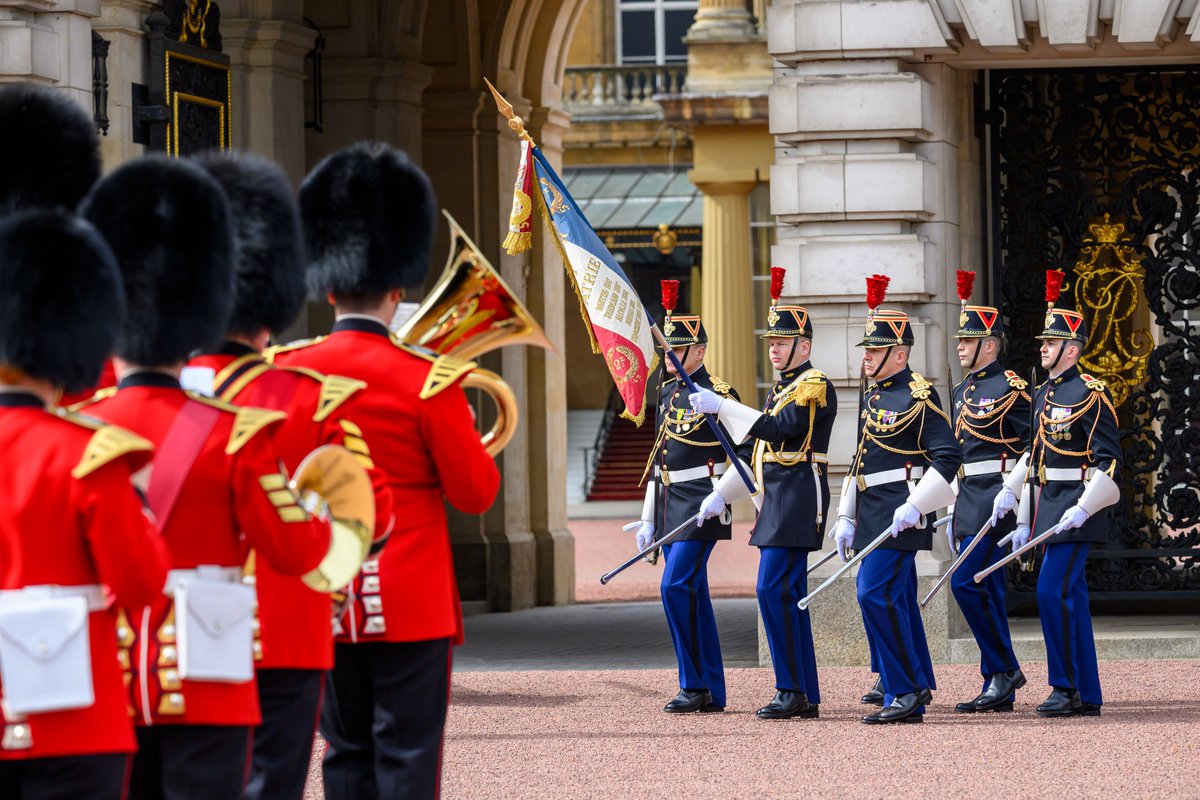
[470,312]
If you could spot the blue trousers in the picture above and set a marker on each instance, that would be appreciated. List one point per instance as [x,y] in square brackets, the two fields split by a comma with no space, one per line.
[782,581]
[887,594]
[1062,597]
[983,606]
[690,618]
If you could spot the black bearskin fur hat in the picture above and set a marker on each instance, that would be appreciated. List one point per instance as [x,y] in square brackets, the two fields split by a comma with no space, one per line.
[51,152]
[268,244]
[168,224]
[368,222]
[60,298]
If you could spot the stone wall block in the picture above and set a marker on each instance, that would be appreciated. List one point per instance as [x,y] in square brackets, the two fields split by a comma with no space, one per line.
[834,269]
[29,52]
[1069,24]
[888,106]
[995,25]
[804,30]
[1144,24]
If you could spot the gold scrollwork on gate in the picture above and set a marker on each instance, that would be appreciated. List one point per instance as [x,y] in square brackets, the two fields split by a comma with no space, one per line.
[1108,291]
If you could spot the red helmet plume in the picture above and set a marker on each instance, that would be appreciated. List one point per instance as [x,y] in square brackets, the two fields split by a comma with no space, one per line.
[876,290]
[777,274]
[670,295]
[966,282]
[1054,281]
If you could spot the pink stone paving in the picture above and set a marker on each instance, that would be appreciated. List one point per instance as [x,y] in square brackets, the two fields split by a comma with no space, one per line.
[602,735]
[601,545]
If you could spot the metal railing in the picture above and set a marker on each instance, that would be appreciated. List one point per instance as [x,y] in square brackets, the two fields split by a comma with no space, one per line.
[601,443]
[620,91]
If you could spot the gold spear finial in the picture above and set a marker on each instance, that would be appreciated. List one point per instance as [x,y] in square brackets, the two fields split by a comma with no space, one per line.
[506,108]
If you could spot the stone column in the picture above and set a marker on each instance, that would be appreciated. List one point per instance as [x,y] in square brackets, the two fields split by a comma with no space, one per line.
[266,59]
[721,19]
[122,22]
[725,269]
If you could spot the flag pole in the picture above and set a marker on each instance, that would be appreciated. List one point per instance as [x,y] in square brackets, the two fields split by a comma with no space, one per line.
[517,125]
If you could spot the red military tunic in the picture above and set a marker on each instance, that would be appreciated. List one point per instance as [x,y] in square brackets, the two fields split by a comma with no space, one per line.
[70,517]
[296,629]
[232,499]
[430,451]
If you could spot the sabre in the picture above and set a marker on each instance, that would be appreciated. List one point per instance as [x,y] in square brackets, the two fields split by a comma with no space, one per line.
[937,523]
[859,556]
[668,539]
[1020,551]
[957,562]
[823,560]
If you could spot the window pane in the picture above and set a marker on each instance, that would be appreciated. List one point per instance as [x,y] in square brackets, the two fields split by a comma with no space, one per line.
[675,26]
[637,36]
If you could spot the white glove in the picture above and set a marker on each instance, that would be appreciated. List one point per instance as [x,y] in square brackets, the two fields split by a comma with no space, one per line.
[705,402]
[712,506]
[1003,503]
[1020,537]
[645,533]
[906,516]
[950,535]
[1073,517]
[843,534]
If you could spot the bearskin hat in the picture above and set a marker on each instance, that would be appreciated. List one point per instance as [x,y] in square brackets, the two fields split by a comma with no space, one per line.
[269,286]
[52,154]
[60,298]
[368,217]
[168,224]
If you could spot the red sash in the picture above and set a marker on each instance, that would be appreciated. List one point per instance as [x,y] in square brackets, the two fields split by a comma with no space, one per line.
[175,456]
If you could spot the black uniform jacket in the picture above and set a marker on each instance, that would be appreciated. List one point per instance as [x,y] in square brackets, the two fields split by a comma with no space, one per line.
[901,425]
[686,441]
[991,423]
[791,442]
[1077,429]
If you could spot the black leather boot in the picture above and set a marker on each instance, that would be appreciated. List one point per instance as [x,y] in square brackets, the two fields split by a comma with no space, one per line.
[787,704]
[969,706]
[1086,710]
[999,689]
[689,701]
[1061,703]
[903,709]
[875,696]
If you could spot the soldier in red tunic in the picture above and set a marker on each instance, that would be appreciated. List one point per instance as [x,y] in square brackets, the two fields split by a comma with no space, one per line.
[269,290]
[216,488]
[74,541]
[369,217]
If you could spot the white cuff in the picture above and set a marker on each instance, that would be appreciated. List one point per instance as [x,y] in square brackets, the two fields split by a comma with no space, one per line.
[1099,493]
[1017,477]
[738,419]
[732,488]
[933,492]
[848,506]
[648,503]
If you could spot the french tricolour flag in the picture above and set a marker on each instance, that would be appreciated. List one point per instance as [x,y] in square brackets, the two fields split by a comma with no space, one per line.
[619,325]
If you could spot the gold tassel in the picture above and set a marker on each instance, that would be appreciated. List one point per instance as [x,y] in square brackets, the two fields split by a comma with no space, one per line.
[806,392]
[517,242]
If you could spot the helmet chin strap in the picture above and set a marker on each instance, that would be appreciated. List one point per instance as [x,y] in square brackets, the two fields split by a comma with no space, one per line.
[1058,357]
[887,354]
[791,354]
[975,358]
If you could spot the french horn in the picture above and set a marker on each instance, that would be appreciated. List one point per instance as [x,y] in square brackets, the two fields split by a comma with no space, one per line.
[472,311]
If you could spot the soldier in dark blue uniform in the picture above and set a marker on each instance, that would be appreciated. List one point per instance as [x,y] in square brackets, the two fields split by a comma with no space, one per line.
[991,423]
[687,460]
[790,460]
[907,456]
[1076,456]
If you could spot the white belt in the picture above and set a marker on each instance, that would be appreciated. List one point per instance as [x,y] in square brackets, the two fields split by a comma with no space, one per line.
[898,475]
[204,572]
[668,477]
[93,593]
[995,466]
[1067,473]
[773,458]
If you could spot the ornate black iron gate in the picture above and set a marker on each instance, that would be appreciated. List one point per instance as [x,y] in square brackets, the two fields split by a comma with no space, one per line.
[1098,172]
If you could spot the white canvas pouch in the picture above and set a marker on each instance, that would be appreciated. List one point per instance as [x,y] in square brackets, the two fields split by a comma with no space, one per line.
[215,629]
[45,651]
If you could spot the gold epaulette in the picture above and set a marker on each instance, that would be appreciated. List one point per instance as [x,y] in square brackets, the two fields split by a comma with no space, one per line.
[101,394]
[1093,383]
[335,390]
[247,420]
[920,388]
[445,370]
[107,444]
[720,386]
[809,388]
[1015,380]
[270,353]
